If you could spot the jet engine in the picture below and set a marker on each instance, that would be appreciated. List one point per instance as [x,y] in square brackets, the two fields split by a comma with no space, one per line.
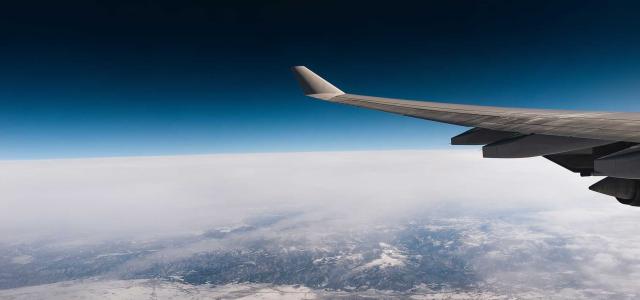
[627,191]
[619,161]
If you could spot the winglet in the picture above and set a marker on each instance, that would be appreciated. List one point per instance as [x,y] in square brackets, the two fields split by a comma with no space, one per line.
[313,85]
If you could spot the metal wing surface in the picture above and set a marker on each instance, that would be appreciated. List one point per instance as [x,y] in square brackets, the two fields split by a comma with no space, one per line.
[586,142]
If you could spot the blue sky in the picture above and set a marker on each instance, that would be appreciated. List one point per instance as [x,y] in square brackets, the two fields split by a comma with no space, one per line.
[82,79]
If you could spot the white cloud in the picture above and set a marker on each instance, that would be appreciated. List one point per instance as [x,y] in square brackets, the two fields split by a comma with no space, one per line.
[164,195]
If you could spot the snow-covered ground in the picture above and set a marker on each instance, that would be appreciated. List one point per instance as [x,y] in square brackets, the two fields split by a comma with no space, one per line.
[153,289]
[390,257]
[160,289]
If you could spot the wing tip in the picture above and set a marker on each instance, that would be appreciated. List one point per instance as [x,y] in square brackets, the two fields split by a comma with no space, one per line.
[313,85]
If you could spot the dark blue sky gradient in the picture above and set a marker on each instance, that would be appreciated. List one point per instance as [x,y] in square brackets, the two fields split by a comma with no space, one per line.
[99,78]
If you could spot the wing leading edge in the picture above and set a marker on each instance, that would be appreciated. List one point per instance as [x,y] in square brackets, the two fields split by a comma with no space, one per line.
[576,140]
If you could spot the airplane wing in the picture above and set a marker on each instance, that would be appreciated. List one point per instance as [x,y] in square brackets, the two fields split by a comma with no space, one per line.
[589,143]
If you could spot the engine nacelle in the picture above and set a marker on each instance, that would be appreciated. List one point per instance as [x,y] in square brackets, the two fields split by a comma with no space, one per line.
[627,191]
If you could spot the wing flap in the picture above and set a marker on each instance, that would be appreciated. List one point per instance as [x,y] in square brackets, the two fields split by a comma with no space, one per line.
[537,145]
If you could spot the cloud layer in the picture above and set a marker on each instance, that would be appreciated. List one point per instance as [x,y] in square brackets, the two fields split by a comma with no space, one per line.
[166,195]
[517,225]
